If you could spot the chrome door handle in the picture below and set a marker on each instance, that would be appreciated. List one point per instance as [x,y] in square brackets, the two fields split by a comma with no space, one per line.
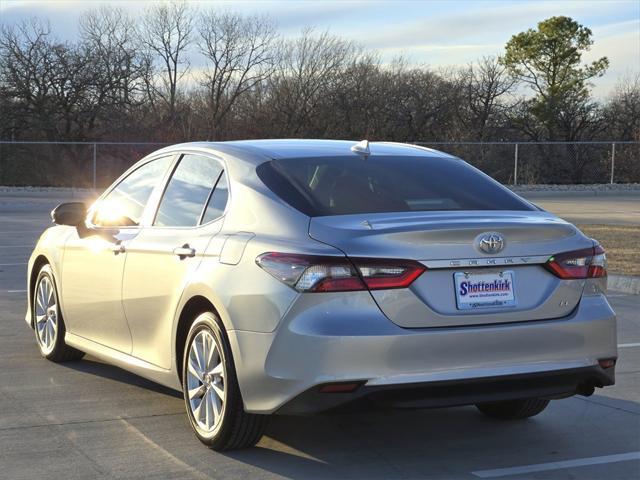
[184,251]
[117,248]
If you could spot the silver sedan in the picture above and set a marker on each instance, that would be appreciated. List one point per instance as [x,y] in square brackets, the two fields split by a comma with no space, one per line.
[298,276]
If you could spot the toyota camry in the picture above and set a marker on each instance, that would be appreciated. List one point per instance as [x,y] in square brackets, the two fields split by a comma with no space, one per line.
[300,276]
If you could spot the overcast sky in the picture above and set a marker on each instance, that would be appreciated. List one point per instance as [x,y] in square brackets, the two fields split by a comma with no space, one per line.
[436,33]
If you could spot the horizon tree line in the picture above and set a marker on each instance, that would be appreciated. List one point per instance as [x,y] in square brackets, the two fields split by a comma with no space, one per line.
[131,79]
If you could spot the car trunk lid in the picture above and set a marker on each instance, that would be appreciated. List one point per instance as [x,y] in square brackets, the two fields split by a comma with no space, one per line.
[447,243]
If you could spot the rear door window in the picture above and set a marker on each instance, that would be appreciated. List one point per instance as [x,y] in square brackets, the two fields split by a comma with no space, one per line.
[353,185]
[188,191]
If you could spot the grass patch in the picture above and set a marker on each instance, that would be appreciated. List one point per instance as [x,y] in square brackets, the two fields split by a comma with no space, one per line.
[622,244]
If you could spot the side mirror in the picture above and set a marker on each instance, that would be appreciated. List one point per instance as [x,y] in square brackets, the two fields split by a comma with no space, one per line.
[72,214]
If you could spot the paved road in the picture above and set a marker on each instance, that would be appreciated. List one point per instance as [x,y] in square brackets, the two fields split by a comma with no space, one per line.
[609,209]
[90,420]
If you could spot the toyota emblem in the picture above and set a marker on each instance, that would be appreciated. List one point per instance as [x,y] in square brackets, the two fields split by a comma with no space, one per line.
[491,242]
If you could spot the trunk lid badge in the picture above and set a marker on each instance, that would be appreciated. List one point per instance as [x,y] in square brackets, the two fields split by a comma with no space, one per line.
[490,242]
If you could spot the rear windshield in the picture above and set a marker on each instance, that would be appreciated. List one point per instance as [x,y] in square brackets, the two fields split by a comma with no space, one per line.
[352,185]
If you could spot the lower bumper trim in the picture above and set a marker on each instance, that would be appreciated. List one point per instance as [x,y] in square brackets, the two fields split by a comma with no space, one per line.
[552,384]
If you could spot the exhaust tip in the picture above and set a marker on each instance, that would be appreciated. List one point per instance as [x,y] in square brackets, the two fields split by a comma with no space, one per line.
[607,362]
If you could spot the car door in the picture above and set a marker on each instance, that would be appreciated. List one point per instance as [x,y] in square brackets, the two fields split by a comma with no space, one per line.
[94,258]
[163,256]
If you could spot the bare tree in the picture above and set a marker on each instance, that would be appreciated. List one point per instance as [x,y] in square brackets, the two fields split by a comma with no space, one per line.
[241,54]
[487,86]
[49,79]
[49,87]
[24,53]
[118,68]
[417,103]
[309,71]
[108,33]
[623,109]
[356,103]
[166,33]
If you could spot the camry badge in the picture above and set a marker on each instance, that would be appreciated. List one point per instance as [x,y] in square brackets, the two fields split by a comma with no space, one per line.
[490,242]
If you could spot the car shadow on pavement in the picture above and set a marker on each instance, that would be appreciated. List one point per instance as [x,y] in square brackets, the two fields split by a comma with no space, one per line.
[376,444]
[438,443]
[394,443]
[95,367]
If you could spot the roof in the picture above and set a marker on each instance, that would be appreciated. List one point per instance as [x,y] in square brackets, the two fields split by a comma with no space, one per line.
[302,148]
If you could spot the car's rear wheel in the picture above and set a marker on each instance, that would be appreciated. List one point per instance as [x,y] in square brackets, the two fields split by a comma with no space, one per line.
[514,409]
[48,322]
[211,392]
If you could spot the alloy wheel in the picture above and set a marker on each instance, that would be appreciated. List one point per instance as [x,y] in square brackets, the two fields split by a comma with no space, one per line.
[46,311]
[206,381]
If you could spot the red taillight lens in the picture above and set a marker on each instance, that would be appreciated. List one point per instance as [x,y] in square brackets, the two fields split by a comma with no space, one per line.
[585,263]
[379,274]
[343,387]
[311,273]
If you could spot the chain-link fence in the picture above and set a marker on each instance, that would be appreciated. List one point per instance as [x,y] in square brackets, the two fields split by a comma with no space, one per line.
[68,164]
[84,164]
[533,163]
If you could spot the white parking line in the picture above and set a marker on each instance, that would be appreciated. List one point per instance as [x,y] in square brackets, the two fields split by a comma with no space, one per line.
[628,345]
[11,264]
[16,291]
[542,467]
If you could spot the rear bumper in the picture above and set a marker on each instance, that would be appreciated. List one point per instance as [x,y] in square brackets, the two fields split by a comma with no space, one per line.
[554,384]
[344,337]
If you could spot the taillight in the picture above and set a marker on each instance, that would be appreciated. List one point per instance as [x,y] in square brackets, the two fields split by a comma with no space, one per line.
[380,274]
[585,263]
[312,273]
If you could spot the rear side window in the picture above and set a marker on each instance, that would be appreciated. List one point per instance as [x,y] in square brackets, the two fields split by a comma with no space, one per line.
[217,201]
[353,185]
[188,191]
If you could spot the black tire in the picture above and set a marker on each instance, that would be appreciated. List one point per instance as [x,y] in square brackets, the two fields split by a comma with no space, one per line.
[58,351]
[514,409]
[235,428]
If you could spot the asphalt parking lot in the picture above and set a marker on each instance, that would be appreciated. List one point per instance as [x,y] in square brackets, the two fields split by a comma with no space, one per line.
[613,208]
[90,420]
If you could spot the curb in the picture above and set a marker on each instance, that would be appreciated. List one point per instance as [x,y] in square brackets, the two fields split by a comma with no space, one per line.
[545,194]
[51,192]
[589,189]
[624,284]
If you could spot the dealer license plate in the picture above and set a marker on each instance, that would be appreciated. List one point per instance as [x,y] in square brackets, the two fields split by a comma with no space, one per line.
[484,290]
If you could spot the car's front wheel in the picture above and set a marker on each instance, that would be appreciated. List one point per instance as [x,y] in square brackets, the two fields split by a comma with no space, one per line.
[211,392]
[47,322]
[514,409]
